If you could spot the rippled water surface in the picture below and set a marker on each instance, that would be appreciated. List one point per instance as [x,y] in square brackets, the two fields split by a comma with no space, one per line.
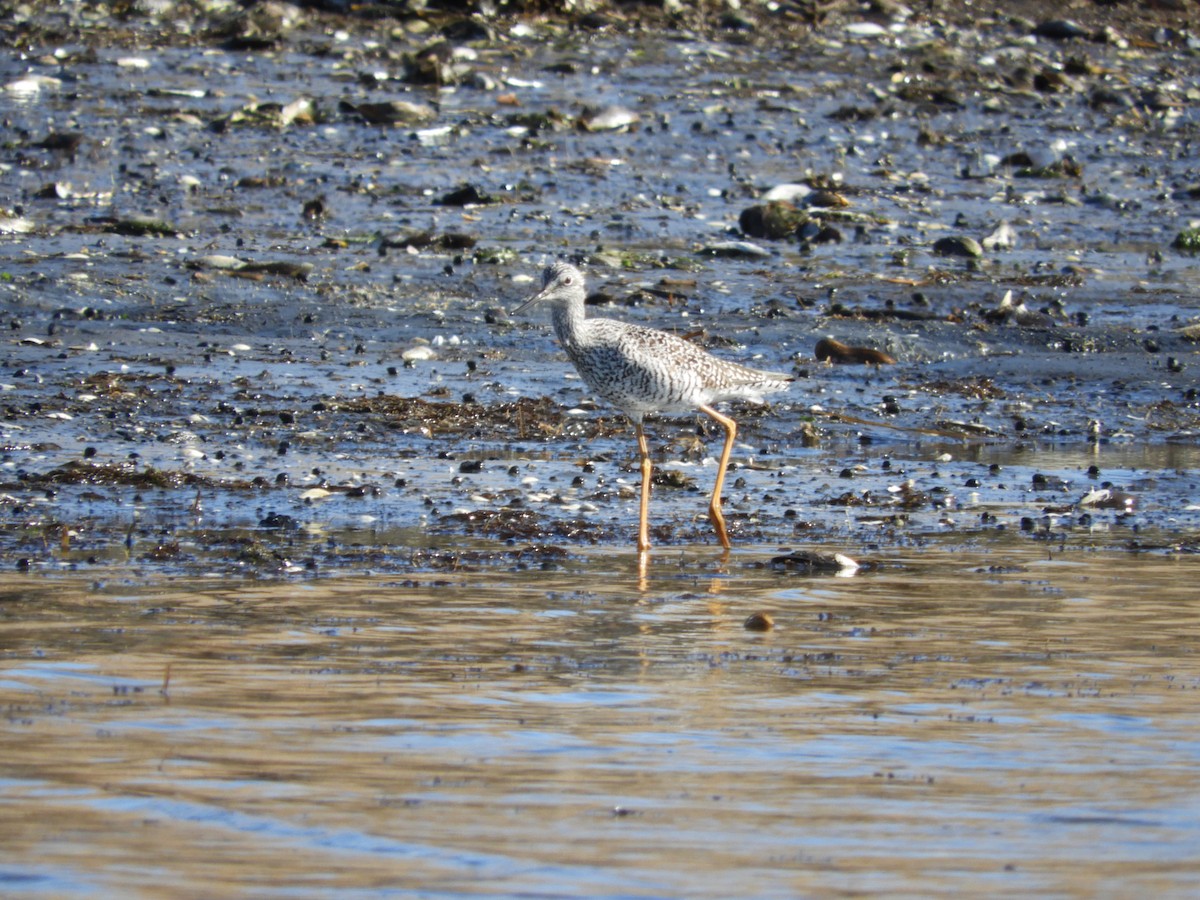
[1005,719]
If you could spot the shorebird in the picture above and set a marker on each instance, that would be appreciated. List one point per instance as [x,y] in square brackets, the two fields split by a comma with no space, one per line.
[642,371]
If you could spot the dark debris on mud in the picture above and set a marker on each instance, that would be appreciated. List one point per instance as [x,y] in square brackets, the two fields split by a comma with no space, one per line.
[523,419]
[124,474]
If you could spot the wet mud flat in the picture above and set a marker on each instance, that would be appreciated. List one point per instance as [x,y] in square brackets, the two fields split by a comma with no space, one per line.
[319,568]
[255,281]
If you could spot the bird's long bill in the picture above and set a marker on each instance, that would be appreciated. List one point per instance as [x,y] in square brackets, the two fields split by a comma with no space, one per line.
[528,303]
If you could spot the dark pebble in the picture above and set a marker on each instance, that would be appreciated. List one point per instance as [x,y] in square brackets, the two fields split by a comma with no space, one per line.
[1060,30]
[958,246]
[467,195]
[837,352]
[759,621]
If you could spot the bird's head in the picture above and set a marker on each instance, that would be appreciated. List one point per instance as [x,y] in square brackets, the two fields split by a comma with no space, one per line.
[561,283]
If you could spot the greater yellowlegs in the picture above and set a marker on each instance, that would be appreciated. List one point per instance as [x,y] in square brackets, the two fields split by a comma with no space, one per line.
[642,371]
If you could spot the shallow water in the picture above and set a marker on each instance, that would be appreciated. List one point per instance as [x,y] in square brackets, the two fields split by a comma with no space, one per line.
[1008,720]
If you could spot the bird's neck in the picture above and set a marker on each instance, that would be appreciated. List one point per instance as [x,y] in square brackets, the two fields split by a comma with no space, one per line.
[568,322]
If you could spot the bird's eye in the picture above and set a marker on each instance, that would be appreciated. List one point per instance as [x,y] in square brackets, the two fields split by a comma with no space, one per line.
[567,279]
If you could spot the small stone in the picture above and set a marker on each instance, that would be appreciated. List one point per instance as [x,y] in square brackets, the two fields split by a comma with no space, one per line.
[958,246]
[759,621]
[1108,498]
[735,250]
[419,353]
[58,190]
[1060,30]
[141,226]
[1003,238]
[610,118]
[61,142]
[823,199]
[1187,240]
[314,209]
[811,562]
[775,220]
[466,195]
[392,112]
[828,349]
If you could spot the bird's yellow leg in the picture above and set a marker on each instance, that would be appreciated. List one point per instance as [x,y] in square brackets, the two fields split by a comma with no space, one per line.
[714,507]
[644,512]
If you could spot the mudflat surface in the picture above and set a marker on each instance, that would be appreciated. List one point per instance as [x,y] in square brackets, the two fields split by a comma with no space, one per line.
[235,300]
